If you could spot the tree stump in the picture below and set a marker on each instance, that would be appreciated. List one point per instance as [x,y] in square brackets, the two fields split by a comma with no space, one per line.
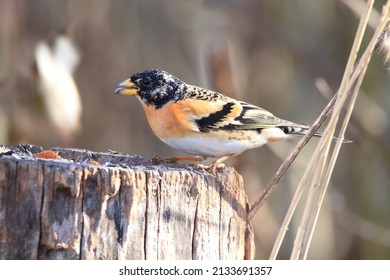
[124,207]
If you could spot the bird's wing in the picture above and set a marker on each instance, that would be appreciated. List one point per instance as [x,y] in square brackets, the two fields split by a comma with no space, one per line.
[229,114]
[253,117]
[205,115]
[209,110]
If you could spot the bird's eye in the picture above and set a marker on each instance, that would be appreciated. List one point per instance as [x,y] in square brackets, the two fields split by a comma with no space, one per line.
[146,82]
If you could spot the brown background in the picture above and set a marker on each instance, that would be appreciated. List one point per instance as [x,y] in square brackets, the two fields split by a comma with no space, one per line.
[268,53]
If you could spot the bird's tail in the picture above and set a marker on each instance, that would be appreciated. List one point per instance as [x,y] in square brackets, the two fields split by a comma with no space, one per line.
[301,131]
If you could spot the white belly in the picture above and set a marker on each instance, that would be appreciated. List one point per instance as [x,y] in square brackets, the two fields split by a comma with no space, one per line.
[215,147]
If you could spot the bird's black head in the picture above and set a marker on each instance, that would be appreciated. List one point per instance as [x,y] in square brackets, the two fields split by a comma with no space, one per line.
[157,87]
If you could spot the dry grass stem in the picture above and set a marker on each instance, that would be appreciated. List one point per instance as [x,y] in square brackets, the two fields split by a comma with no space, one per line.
[364,144]
[325,164]
[358,7]
[321,164]
[289,160]
[303,238]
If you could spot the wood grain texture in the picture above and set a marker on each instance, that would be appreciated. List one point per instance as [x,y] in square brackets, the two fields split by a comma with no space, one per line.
[124,208]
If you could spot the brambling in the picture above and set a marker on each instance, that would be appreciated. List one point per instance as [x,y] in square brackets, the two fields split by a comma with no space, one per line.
[203,122]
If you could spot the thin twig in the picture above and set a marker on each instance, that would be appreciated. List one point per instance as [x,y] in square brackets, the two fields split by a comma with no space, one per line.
[366,146]
[304,236]
[289,160]
[290,212]
[295,152]
[366,57]
[322,178]
[287,163]
[301,144]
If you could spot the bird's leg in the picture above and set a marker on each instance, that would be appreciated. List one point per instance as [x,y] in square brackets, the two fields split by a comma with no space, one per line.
[215,164]
[156,159]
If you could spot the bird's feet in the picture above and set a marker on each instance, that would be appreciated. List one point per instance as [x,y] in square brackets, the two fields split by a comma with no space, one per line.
[212,168]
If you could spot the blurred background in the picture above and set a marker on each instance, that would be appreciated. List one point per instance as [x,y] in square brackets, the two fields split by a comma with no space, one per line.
[60,61]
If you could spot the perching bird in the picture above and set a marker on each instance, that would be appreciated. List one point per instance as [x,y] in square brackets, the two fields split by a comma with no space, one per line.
[203,122]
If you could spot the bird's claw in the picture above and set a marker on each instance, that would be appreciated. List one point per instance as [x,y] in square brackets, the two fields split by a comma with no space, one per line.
[212,168]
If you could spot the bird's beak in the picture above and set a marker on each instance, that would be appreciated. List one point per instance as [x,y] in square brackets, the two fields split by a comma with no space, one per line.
[126,88]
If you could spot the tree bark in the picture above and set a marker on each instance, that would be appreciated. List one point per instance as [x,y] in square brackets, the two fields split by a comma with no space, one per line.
[124,208]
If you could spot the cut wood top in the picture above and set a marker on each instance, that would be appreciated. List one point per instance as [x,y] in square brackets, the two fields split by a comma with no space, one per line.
[90,205]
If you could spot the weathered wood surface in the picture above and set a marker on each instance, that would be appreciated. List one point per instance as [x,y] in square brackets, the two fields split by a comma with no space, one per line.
[125,208]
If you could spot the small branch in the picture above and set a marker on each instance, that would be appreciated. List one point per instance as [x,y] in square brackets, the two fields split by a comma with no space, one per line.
[290,159]
[298,148]
[326,159]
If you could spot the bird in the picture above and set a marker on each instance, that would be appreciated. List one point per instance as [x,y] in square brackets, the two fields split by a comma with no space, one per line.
[202,122]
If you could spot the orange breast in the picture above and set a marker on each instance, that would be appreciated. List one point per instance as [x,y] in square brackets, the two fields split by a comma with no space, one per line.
[175,120]
[170,121]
